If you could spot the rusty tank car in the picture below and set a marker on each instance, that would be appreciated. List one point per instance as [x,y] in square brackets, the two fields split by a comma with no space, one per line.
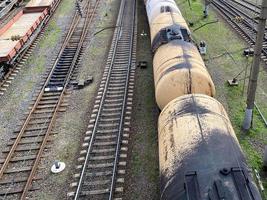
[199,154]
[155,7]
[177,65]
[178,70]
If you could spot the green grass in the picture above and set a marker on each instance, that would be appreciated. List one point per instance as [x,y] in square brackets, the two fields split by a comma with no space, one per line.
[52,35]
[220,39]
[65,8]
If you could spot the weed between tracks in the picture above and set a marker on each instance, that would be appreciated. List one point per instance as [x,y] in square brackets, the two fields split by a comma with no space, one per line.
[143,173]
[221,39]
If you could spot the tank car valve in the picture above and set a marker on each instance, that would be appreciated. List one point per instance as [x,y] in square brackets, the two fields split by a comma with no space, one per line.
[142,64]
[233,82]
[203,48]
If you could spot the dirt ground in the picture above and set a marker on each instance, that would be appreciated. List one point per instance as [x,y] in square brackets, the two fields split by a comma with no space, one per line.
[143,173]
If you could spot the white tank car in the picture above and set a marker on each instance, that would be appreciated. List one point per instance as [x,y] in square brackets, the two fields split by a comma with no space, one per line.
[156,7]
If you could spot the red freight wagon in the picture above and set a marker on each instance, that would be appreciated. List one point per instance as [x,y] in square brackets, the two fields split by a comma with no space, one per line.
[39,5]
[16,33]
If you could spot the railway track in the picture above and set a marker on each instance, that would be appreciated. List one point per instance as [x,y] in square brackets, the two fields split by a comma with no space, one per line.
[248,6]
[21,59]
[102,161]
[243,23]
[7,17]
[24,152]
[6,6]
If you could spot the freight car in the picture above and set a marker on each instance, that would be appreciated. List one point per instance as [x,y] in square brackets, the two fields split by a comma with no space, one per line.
[178,67]
[19,32]
[199,155]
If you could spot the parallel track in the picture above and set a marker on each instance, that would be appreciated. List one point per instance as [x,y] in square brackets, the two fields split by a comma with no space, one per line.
[22,157]
[246,27]
[104,150]
[6,6]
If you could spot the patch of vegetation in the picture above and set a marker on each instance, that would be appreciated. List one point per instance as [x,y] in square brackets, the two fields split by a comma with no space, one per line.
[65,8]
[52,35]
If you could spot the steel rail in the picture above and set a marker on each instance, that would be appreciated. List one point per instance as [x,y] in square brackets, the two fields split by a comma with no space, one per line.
[9,156]
[24,126]
[118,26]
[229,15]
[261,114]
[239,12]
[5,10]
[241,3]
[251,30]
[87,22]
[123,108]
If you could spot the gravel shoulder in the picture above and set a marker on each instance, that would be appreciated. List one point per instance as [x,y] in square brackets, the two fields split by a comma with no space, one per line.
[142,172]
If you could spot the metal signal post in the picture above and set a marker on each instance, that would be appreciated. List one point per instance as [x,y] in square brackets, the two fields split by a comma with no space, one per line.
[255,67]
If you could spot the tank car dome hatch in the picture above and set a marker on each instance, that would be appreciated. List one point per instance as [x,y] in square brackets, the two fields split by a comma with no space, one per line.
[179,67]
[199,154]
[173,32]
[164,20]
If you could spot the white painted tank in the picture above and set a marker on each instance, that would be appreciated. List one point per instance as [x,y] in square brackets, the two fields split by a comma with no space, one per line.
[156,7]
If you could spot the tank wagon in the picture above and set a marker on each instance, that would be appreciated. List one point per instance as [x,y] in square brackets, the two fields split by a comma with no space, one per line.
[19,32]
[178,67]
[199,155]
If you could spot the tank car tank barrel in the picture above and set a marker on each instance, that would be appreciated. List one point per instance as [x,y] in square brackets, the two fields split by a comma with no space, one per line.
[199,155]
[177,64]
